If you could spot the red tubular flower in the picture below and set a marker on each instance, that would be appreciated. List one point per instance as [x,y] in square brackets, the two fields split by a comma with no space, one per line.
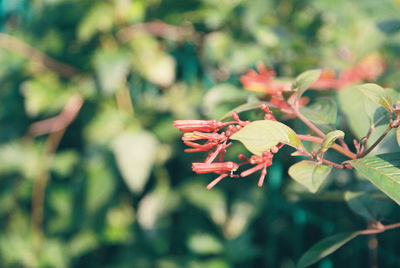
[198,125]
[220,168]
[214,182]
[199,147]
[196,135]
[260,162]
[223,168]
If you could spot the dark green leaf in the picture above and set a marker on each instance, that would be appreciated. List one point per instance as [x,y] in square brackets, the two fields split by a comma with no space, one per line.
[360,203]
[324,248]
[261,135]
[309,174]
[389,26]
[383,171]
[398,135]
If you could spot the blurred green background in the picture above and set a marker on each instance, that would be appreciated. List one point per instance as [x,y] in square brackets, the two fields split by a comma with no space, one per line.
[114,189]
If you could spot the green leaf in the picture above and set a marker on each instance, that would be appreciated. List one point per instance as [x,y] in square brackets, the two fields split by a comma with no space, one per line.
[324,248]
[251,104]
[100,183]
[330,138]
[389,26]
[360,203]
[361,112]
[383,171]
[112,68]
[398,135]
[377,94]
[309,174]
[261,135]
[222,94]
[135,155]
[322,112]
[305,80]
[204,244]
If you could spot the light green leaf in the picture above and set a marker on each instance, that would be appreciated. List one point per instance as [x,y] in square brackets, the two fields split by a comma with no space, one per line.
[309,174]
[361,112]
[111,67]
[251,104]
[324,248]
[360,203]
[98,19]
[261,135]
[322,112]
[330,138]
[221,94]
[156,205]
[377,94]
[305,80]
[204,244]
[135,155]
[155,64]
[383,171]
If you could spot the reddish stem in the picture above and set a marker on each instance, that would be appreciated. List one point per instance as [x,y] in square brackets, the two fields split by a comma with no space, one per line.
[382,229]
[308,123]
[337,147]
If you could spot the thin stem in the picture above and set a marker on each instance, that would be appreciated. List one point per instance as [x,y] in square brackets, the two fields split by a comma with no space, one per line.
[376,143]
[308,123]
[344,144]
[373,251]
[337,147]
[56,132]
[330,163]
[19,47]
[364,140]
[381,229]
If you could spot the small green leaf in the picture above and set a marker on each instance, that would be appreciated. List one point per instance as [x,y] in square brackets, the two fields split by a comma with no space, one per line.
[322,112]
[330,138]
[251,104]
[324,248]
[261,135]
[309,174]
[377,94]
[305,80]
[383,171]
[360,203]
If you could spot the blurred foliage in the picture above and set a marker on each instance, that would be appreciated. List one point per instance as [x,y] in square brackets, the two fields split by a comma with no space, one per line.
[118,191]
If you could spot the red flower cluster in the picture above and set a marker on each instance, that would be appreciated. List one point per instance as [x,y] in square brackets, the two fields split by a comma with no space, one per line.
[216,143]
[368,69]
[264,81]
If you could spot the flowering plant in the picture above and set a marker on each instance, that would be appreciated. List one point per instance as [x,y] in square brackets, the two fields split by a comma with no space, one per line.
[370,113]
